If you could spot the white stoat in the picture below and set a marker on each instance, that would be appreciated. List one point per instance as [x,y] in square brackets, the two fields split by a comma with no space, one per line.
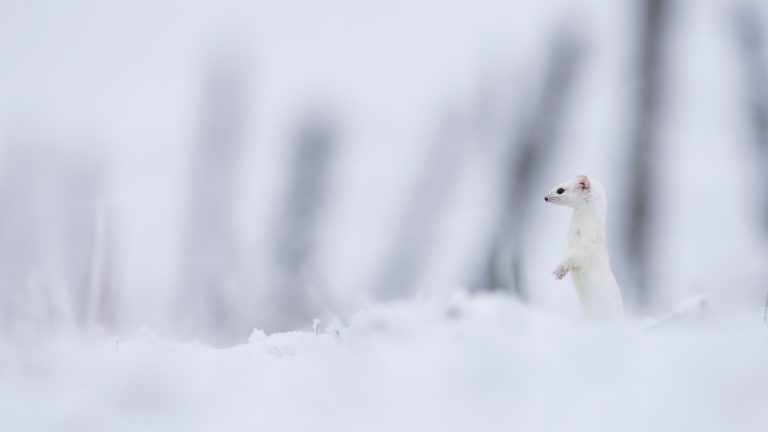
[587,258]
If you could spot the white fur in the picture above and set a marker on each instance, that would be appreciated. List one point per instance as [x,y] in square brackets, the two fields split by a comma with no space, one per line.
[587,259]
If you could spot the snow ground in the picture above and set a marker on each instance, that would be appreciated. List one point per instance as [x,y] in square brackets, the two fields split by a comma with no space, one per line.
[484,363]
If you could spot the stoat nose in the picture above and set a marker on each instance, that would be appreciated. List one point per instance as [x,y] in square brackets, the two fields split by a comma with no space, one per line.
[546,199]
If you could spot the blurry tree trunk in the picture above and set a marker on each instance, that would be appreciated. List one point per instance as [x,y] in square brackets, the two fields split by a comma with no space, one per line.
[415,236]
[750,34]
[299,295]
[48,202]
[750,37]
[100,308]
[523,158]
[644,141]
[210,240]
[80,183]
[765,310]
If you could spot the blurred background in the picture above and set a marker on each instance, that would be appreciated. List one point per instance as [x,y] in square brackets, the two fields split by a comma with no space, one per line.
[207,168]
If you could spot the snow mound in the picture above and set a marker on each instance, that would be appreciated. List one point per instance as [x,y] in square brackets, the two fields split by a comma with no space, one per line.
[485,363]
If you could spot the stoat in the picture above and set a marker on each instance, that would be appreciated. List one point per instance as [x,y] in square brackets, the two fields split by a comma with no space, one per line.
[587,257]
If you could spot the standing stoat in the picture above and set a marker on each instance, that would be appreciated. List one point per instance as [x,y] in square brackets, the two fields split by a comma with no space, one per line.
[587,258]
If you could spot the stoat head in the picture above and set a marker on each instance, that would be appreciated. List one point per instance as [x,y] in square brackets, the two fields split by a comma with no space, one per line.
[574,192]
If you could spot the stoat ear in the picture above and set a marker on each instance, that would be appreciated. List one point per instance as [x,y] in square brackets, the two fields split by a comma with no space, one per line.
[583,182]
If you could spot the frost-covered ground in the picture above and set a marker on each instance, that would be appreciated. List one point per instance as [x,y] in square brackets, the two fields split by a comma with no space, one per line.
[479,364]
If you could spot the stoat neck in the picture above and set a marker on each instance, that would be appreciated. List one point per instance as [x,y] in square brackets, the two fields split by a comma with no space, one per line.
[589,221]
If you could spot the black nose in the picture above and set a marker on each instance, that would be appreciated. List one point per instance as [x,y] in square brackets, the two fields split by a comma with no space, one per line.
[546,199]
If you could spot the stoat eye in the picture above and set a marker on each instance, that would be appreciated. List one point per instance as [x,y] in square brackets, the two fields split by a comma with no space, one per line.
[560,191]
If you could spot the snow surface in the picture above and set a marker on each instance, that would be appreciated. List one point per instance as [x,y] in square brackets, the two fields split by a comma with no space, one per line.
[484,363]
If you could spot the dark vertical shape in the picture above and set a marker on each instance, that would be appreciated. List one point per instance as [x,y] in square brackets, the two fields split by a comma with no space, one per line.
[644,142]
[48,202]
[523,157]
[79,189]
[750,38]
[299,299]
[210,239]
[765,310]
[415,235]
[22,248]
[750,35]
[100,307]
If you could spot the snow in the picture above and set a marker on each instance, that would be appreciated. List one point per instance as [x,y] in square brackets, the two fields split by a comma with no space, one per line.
[480,363]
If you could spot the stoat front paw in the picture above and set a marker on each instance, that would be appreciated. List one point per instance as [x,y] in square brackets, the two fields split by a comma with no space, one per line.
[560,272]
